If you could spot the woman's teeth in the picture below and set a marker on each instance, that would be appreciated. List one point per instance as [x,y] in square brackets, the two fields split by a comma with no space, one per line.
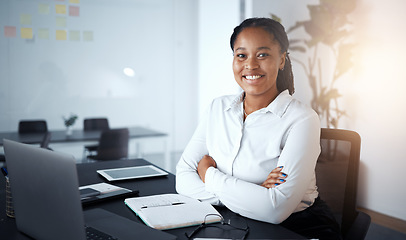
[252,77]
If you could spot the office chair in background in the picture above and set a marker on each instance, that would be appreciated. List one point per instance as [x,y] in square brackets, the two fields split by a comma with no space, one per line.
[29,126]
[91,124]
[45,141]
[32,126]
[113,144]
[337,180]
[94,124]
[44,144]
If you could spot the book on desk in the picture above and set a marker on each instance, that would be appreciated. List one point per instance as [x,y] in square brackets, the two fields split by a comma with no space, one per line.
[169,211]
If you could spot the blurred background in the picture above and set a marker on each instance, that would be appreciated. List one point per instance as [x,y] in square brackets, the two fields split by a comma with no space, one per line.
[347,58]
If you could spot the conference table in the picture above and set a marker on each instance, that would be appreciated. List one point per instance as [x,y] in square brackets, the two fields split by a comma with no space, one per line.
[60,136]
[147,186]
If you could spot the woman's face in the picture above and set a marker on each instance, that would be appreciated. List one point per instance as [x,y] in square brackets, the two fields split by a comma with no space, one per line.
[257,59]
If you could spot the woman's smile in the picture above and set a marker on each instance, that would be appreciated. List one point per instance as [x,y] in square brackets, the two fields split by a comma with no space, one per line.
[253,79]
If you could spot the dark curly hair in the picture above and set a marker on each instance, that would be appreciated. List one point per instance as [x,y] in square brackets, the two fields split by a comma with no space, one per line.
[285,76]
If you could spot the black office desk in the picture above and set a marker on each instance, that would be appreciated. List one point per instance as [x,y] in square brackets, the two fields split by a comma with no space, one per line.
[148,186]
[77,135]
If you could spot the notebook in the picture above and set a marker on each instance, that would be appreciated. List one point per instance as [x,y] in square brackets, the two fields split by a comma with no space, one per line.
[45,190]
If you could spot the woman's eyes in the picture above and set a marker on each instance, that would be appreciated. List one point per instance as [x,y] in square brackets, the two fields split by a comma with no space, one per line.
[261,55]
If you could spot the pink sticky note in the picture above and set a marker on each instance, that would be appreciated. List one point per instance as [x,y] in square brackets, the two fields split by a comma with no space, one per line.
[10,31]
[74,11]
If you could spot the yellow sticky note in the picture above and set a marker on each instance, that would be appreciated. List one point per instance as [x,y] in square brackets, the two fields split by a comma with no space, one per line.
[60,9]
[74,1]
[74,35]
[26,33]
[60,22]
[25,19]
[43,8]
[88,36]
[61,35]
[43,33]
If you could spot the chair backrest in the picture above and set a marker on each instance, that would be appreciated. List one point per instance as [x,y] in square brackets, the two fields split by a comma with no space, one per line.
[113,144]
[45,140]
[91,124]
[337,173]
[32,126]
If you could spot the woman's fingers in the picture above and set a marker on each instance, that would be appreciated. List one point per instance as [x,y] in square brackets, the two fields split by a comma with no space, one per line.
[275,178]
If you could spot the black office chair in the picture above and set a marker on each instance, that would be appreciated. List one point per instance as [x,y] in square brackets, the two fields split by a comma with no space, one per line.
[32,126]
[94,124]
[113,144]
[91,124]
[337,179]
[44,144]
[45,141]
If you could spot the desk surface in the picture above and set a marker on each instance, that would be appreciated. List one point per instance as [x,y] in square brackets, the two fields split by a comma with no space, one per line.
[148,186]
[77,135]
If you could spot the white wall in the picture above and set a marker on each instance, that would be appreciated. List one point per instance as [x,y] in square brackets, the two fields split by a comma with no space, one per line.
[378,104]
[47,78]
[217,20]
[373,94]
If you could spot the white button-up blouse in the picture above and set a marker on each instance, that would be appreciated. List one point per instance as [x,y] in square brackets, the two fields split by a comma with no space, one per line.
[285,133]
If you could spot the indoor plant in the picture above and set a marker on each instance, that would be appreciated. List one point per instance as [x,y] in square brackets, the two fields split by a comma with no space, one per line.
[330,26]
[69,122]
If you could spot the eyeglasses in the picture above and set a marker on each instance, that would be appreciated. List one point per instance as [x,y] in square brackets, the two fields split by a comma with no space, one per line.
[233,224]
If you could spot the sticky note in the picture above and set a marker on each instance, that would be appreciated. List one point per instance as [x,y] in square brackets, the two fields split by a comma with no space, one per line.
[74,35]
[10,31]
[74,11]
[60,21]
[26,33]
[60,9]
[87,36]
[61,35]
[43,33]
[74,1]
[25,19]
[43,8]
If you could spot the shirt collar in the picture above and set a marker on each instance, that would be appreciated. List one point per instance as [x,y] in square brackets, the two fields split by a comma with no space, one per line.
[236,102]
[278,106]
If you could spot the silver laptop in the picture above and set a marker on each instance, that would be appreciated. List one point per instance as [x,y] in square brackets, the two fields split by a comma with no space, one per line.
[44,186]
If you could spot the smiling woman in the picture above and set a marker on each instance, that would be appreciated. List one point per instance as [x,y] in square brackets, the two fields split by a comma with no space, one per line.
[259,63]
[256,65]
[255,152]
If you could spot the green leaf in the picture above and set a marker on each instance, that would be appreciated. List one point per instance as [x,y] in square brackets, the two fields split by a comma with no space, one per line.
[276,18]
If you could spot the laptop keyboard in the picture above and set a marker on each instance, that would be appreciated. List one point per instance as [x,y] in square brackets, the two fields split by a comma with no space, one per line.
[94,234]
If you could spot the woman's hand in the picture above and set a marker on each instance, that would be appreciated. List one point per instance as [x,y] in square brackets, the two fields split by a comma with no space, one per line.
[275,178]
[204,164]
